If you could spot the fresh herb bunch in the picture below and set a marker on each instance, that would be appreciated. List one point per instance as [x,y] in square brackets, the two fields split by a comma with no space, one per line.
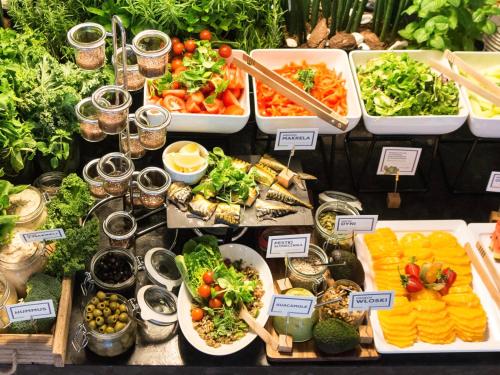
[73,252]
[7,222]
[397,85]
[225,182]
[450,24]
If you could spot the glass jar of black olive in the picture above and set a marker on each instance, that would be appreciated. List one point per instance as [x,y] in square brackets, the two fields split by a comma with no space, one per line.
[115,270]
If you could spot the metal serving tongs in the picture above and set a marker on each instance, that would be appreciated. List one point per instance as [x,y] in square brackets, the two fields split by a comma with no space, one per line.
[292,92]
[488,90]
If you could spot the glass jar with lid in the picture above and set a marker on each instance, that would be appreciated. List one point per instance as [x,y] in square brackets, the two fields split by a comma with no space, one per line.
[50,182]
[308,272]
[120,227]
[135,80]
[153,183]
[151,48]
[116,170]
[112,103]
[8,296]
[152,122]
[89,40]
[324,225]
[160,267]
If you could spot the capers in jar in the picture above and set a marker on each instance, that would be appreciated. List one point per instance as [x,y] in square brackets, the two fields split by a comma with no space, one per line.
[101,295]
[123,318]
[106,312]
[99,321]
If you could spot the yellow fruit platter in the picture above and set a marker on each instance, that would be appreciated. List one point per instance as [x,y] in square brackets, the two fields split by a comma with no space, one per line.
[441,304]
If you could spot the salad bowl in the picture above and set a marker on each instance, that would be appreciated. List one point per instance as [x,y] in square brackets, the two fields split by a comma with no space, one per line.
[249,257]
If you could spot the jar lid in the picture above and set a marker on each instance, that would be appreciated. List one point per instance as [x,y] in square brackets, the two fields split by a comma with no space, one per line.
[157,305]
[338,196]
[161,268]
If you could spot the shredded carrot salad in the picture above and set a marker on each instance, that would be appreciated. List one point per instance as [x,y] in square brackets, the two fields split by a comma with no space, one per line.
[329,88]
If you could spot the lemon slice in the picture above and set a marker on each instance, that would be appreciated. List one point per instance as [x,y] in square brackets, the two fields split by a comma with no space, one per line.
[189,163]
[190,149]
[170,162]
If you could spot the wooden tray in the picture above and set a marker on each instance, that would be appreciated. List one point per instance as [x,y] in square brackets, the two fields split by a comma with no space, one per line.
[306,351]
[47,349]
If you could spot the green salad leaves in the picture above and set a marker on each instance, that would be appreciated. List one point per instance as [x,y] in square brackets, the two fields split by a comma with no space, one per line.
[398,85]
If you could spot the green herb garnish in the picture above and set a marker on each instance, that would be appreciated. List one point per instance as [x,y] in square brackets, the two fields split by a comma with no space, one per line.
[306,77]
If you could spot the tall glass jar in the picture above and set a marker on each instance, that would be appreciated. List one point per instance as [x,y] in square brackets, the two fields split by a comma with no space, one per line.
[151,48]
[8,296]
[306,272]
[112,103]
[324,225]
[89,40]
[135,80]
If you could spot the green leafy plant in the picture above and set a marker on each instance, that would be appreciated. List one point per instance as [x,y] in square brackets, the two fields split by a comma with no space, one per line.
[449,24]
[7,222]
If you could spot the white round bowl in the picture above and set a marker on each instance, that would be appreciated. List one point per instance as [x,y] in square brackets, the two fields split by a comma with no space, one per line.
[190,178]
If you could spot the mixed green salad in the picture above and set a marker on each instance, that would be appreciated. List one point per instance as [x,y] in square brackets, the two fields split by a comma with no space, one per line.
[219,287]
[398,85]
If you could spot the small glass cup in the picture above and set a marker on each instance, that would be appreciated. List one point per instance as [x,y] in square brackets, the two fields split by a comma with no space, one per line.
[116,170]
[120,227]
[135,80]
[137,150]
[87,115]
[112,103]
[94,181]
[49,183]
[151,48]
[152,122]
[89,40]
[153,183]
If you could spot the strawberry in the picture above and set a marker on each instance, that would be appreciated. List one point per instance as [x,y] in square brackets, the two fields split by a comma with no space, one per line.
[412,283]
[412,268]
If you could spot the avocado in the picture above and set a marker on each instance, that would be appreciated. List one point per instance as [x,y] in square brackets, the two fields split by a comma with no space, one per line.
[334,336]
[352,270]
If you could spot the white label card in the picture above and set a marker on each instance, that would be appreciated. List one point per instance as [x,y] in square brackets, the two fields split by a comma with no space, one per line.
[289,245]
[356,223]
[402,160]
[293,306]
[494,182]
[43,235]
[31,310]
[381,300]
[298,139]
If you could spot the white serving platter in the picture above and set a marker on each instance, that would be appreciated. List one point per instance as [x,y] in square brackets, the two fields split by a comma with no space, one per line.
[459,229]
[481,232]
[250,258]
[480,126]
[334,59]
[409,125]
[208,123]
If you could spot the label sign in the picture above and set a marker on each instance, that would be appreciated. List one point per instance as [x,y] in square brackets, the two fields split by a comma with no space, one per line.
[298,139]
[31,310]
[290,245]
[43,235]
[399,160]
[356,223]
[381,300]
[494,182]
[293,306]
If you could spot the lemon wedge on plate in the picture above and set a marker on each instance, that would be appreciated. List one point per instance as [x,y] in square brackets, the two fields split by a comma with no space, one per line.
[190,149]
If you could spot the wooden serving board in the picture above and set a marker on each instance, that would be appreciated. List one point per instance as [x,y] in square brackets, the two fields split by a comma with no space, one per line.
[47,349]
[306,351]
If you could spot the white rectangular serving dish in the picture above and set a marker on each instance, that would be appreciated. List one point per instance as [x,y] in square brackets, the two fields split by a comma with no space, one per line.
[480,126]
[481,232]
[207,123]
[334,59]
[409,125]
[459,229]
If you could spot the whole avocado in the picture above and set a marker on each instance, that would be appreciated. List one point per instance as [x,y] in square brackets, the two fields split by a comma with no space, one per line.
[334,336]
[352,270]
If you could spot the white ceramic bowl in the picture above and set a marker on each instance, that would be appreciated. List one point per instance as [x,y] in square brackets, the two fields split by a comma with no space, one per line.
[480,126]
[188,178]
[207,123]
[410,125]
[250,258]
[334,59]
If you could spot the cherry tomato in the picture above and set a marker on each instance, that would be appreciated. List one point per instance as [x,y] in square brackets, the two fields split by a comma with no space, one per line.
[205,35]
[412,269]
[197,314]
[204,291]
[190,45]
[220,291]
[175,40]
[173,103]
[215,303]
[229,99]
[234,110]
[208,277]
[188,55]
[178,48]
[412,283]
[180,93]
[176,62]
[175,85]
[225,51]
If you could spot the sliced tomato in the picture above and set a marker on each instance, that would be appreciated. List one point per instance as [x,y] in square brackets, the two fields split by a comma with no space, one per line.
[236,92]
[213,106]
[197,97]
[180,93]
[229,99]
[192,106]
[154,98]
[235,77]
[234,110]
[173,103]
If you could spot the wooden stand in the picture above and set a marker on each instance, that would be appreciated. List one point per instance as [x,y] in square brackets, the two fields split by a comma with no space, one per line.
[47,349]
[393,200]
